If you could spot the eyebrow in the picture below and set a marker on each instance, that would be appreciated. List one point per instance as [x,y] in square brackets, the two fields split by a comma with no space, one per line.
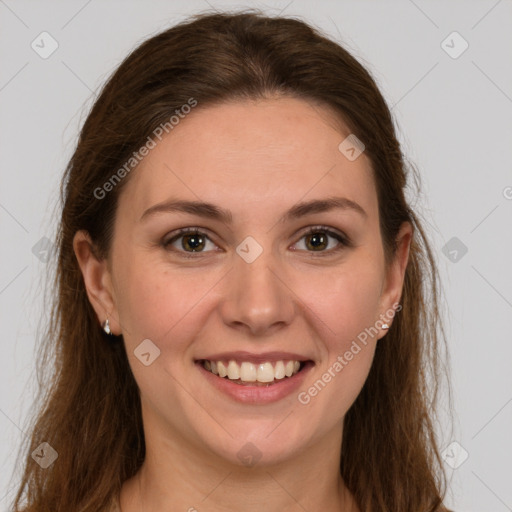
[211,211]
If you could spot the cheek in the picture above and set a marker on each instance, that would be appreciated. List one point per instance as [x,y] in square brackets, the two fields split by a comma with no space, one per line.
[167,308]
[350,310]
[347,301]
[159,304]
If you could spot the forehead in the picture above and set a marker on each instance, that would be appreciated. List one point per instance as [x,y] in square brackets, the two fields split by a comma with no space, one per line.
[251,153]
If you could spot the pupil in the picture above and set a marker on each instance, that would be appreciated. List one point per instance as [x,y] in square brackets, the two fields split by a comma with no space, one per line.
[194,241]
[320,240]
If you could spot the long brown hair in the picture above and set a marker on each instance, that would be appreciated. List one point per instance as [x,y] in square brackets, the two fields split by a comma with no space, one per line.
[89,405]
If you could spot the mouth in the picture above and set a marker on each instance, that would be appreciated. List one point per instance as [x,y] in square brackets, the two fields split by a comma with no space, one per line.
[256,379]
[248,373]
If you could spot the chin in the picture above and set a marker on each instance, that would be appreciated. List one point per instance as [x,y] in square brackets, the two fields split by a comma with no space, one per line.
[262,445]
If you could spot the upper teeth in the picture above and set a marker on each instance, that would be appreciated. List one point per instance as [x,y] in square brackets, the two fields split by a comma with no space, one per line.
[249,372]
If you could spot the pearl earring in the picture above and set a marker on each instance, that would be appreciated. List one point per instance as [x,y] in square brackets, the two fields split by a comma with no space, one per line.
[385,326]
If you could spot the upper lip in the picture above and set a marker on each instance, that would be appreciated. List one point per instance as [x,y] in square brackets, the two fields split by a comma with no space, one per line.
[255,358]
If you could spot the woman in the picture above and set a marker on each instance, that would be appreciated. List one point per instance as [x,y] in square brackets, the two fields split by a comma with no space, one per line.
[241,316]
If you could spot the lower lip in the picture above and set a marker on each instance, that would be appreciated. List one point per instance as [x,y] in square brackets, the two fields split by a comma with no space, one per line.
[257,394]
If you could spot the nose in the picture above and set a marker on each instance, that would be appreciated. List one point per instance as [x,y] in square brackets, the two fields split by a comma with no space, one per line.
[258,299]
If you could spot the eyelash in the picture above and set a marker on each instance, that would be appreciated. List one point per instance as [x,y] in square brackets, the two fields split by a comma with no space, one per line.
[343,240]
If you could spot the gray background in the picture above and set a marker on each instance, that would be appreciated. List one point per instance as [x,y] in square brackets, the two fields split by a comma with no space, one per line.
[455,122]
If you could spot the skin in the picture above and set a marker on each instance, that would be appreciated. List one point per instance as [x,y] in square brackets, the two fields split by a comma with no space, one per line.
[257,159]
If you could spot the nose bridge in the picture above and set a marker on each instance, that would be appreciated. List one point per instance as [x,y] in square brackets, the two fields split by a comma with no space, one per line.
[257,297]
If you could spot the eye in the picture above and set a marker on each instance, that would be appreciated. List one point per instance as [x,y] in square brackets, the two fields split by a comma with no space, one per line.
[193,241]
[317,239]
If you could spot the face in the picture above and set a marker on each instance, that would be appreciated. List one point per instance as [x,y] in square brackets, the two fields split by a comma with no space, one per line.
[249,288]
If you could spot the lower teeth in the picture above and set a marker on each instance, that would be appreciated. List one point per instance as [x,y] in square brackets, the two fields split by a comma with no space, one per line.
[256,383]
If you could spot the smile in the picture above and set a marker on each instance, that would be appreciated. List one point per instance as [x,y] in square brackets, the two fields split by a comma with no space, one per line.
[248,373]
[252,379]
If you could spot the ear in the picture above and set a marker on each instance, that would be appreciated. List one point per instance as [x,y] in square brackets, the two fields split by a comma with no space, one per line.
[97,279]
[395,274]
